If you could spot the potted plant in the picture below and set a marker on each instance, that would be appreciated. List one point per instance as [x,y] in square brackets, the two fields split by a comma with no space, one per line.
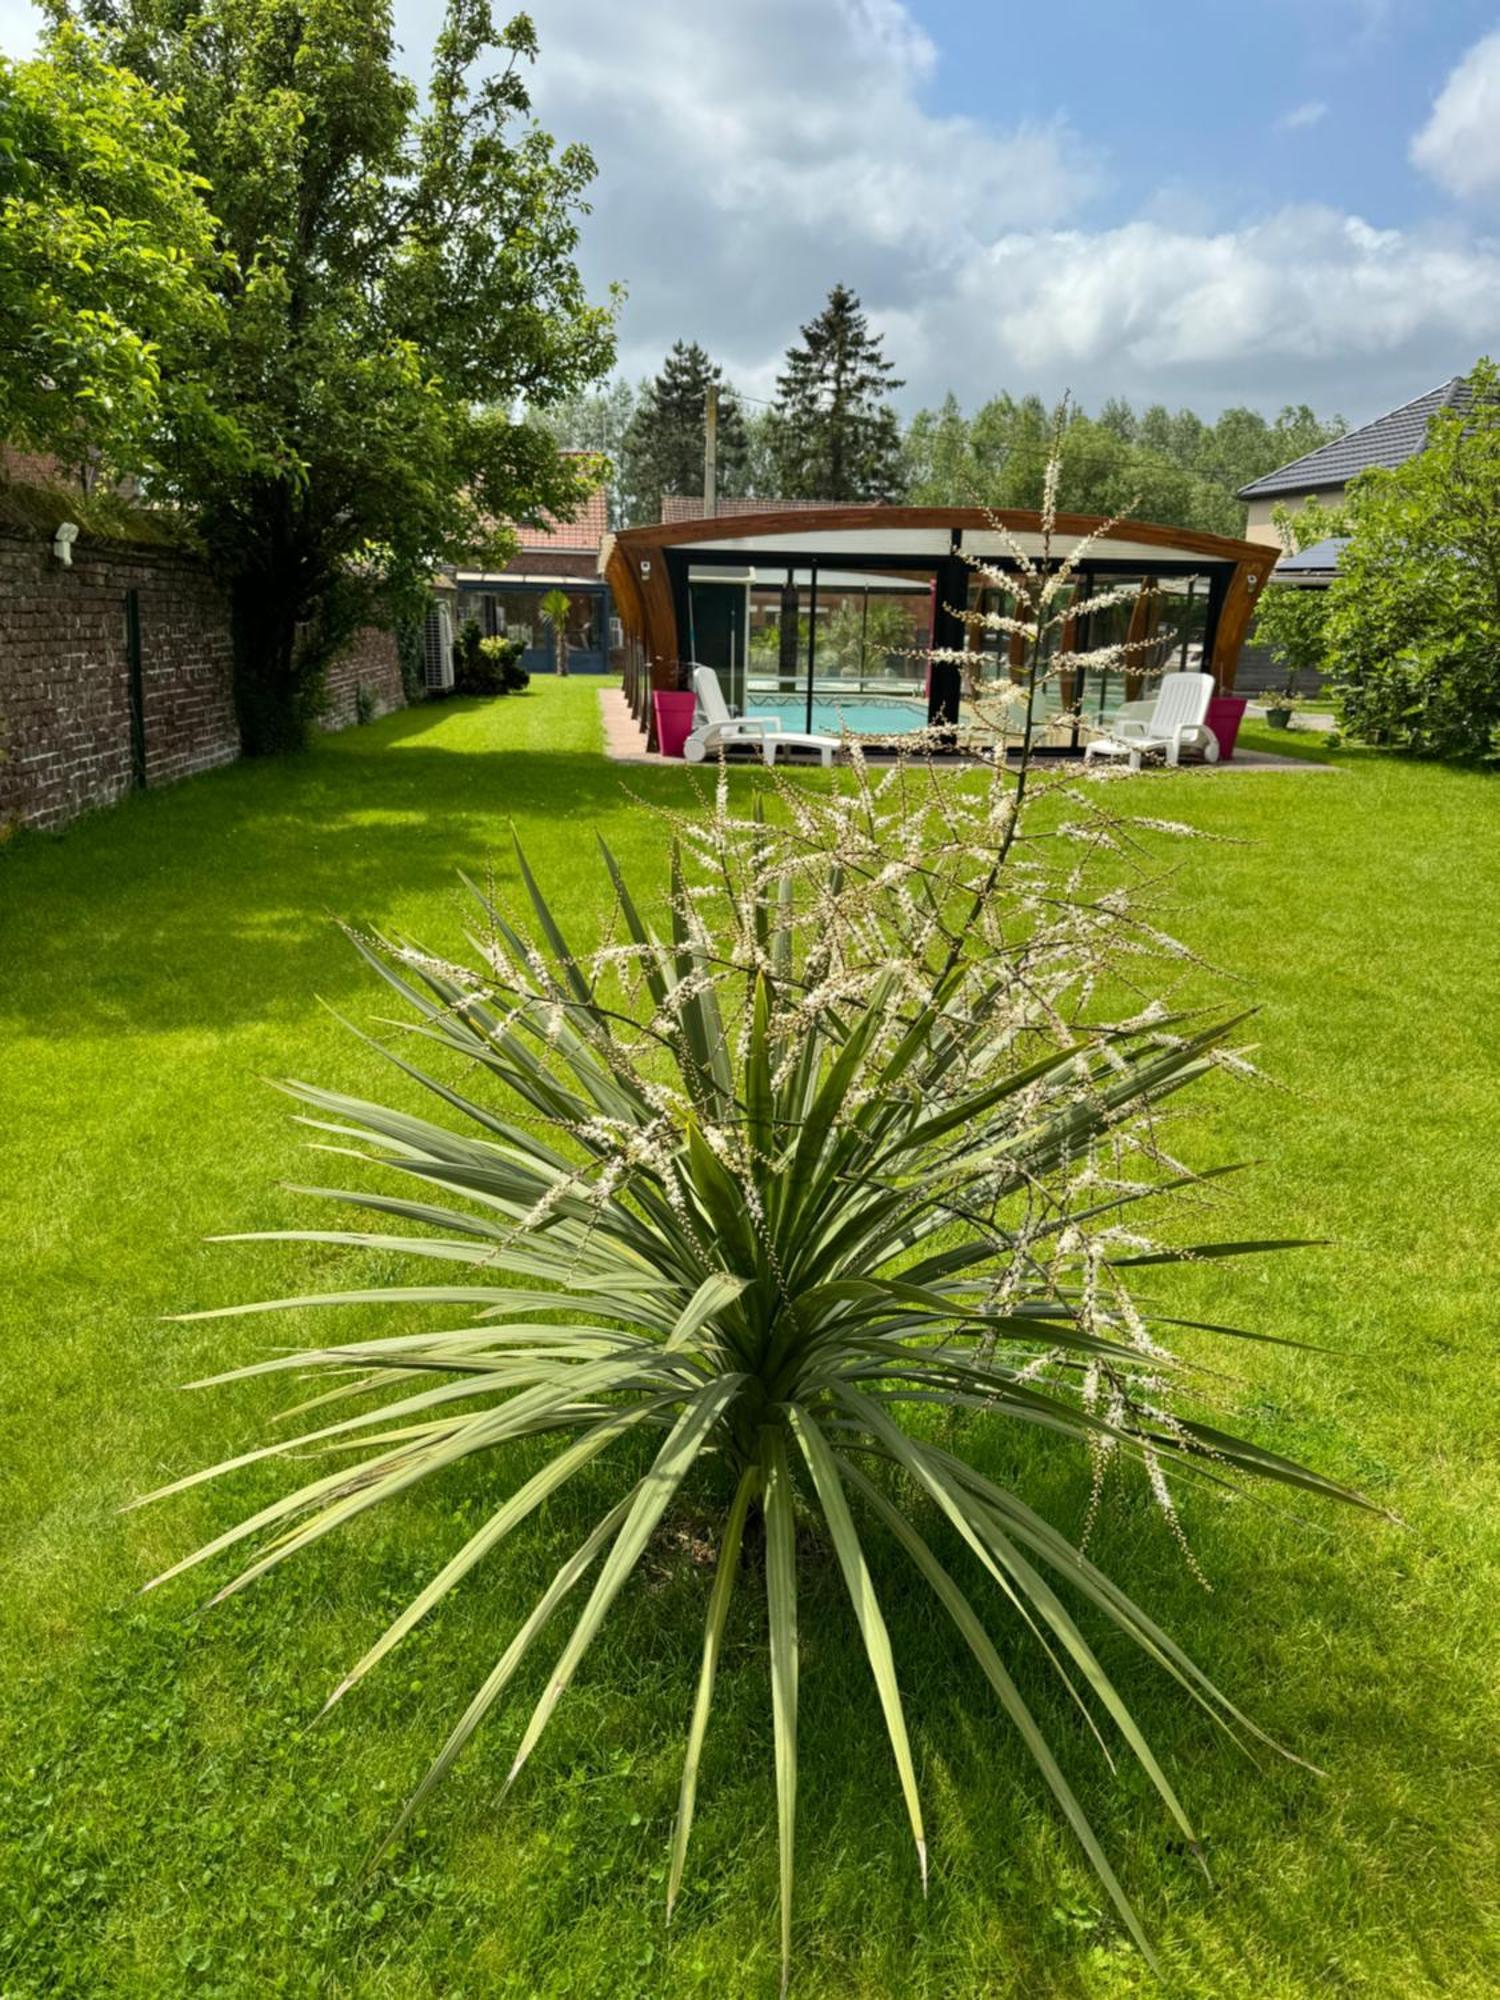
[1281,705]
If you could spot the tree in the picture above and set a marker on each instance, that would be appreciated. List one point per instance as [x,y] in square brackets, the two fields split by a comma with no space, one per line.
[1291,620]
[836,436]
[1414,613]
[403,276]
[108,269]
[1163,467]
[556,606]
[597,420]
[664,446]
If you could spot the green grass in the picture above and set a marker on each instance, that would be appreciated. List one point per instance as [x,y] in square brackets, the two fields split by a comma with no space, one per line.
[171,1824]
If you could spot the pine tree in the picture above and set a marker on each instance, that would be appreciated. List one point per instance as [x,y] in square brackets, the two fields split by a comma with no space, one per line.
[837,437]
[663,449]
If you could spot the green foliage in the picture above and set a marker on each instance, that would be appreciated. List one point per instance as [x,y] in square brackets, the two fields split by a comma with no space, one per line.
[40,508]
[1413,630]
[403,273]
[556,608]
[747,1199]
[503,656]
[487,666]
[170,1821]
[1160,467]
[108,270]
[663,447]
[408,628]
[833,435]
[1291,620]
[599,421]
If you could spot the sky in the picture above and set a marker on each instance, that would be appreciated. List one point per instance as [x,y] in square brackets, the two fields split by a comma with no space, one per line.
[1190,201]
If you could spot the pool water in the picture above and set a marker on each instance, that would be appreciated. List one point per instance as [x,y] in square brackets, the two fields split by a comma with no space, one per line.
[865,718]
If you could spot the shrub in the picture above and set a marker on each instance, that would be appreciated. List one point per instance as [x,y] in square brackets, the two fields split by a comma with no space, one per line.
[774,1207]
[409,634]
[1291,620]
[1414,615]
[503,657]
[486,666]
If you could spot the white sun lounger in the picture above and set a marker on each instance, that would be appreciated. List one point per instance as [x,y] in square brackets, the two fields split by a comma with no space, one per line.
[1172,722]
[715,727]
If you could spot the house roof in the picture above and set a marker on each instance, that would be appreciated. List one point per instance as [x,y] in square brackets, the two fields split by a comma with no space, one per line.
[584,530]
[677,507]
[1316,563]
[1389,441]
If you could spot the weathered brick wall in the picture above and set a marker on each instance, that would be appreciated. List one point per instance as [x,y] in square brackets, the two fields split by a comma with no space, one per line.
[369,661]
[65,742]
[65,684]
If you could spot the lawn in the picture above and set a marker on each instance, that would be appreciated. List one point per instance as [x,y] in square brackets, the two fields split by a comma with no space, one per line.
[170,1823]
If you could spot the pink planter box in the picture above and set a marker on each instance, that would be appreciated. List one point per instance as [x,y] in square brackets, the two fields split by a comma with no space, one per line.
[1225,714]
[674,721]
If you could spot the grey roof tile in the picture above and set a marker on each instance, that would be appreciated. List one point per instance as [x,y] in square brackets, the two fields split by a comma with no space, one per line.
[1391,440]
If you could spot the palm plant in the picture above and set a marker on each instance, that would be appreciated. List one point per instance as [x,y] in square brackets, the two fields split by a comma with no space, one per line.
[556,608]
[798,1187]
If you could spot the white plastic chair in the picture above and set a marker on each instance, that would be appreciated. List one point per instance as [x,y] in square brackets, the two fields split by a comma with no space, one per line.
[1172,721]
[716,727]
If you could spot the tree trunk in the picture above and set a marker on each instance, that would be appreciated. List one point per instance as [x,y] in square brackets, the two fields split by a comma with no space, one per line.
[269,700]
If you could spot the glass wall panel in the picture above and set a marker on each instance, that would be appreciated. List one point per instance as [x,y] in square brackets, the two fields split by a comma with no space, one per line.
[839,648]
[1162,622]
[779,645]
[1001,664]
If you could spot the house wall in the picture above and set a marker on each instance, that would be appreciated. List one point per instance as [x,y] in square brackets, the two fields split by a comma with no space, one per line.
[65,709]
[1259,525]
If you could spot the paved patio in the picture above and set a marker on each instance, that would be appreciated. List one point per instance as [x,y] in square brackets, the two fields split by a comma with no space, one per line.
[624,744]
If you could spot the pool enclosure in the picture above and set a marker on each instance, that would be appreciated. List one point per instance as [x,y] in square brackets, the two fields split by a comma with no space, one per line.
[821,615]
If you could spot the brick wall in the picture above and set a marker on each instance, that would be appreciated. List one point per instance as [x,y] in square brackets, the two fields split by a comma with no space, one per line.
[65,732]
[370,661]
[65,723]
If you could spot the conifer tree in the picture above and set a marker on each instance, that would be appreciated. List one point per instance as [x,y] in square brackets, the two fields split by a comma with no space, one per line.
[837,437]
[663,448]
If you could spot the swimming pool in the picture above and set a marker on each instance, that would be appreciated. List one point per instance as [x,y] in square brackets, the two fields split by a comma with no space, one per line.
[861,715]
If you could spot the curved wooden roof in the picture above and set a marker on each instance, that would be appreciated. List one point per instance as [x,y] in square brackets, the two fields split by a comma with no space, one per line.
[919,526]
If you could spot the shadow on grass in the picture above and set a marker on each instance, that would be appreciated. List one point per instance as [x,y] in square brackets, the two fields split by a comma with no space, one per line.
[209,904]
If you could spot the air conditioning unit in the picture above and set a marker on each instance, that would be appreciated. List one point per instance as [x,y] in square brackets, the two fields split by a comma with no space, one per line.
[437,649]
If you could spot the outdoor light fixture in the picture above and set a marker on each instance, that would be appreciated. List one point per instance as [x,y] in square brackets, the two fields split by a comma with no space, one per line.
[62,542]
[645,566]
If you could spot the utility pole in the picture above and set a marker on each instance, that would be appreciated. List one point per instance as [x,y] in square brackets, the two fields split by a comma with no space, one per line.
[711,451]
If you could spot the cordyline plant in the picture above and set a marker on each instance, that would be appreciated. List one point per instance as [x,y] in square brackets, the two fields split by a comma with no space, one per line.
[781,1204]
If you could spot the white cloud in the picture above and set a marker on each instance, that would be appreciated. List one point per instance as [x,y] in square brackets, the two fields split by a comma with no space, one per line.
[1460,143]
[1302,117]
[752,154]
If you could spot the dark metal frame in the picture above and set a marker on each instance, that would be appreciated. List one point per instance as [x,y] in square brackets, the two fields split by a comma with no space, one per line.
[951,575]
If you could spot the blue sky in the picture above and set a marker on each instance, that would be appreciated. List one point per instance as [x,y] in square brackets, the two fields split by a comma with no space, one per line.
[1237,105]
[1206,203]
